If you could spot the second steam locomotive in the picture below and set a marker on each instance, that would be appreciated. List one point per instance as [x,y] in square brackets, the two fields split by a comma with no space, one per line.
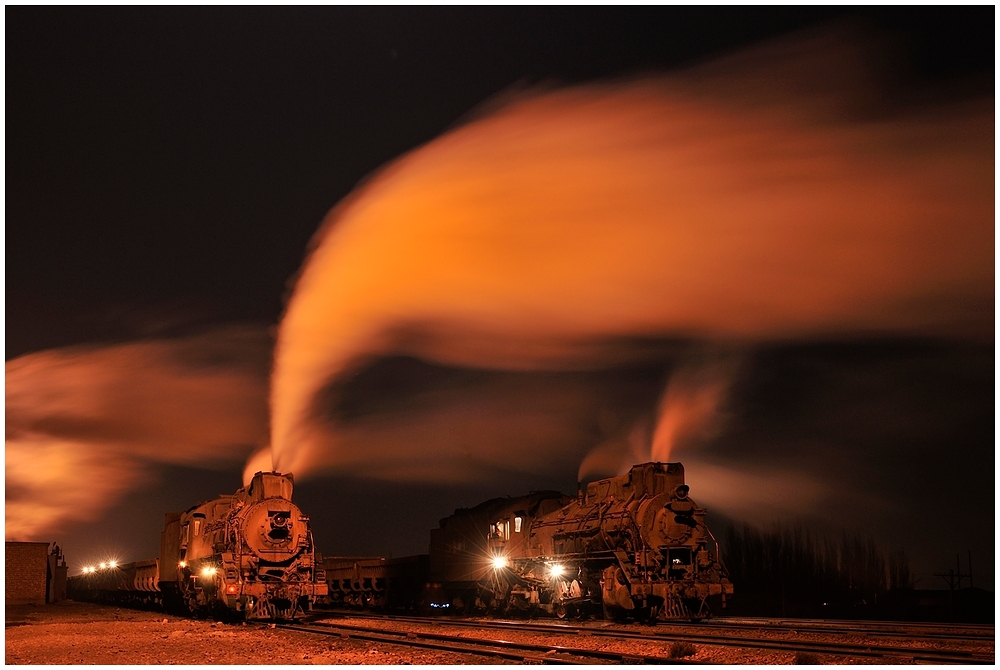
[634,546]
[251,553]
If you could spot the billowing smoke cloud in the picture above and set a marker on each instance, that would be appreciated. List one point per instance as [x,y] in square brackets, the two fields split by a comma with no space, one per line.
[690,406]
[85,425]
[689,412]
[259,461]
[468,308]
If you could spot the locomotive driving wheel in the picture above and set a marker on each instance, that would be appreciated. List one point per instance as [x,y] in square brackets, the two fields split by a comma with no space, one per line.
[567,611]
[560,610]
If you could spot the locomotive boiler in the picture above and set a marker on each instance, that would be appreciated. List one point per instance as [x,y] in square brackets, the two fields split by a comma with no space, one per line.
[250,553]
[635,545]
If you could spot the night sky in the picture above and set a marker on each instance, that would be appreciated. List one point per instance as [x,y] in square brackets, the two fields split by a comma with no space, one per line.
[168,167]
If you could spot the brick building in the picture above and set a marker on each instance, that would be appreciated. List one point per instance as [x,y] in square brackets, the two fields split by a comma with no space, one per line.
[33,574]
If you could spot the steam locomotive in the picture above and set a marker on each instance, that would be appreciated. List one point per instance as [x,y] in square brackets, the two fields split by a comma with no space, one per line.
[629,547]
[635,545]
[251,553]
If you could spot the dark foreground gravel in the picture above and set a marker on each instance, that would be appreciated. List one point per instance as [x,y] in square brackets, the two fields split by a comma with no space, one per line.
[71,633]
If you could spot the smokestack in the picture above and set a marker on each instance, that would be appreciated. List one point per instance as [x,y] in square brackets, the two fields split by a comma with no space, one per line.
[579,493]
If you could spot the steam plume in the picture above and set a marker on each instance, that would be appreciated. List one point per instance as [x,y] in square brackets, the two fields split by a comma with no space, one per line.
[771,196]
[689,413]
[85,425]
[259,461]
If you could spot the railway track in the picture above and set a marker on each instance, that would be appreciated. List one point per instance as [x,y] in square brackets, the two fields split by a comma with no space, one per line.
[921,630]
[985,627]
[700,634]
[521,652]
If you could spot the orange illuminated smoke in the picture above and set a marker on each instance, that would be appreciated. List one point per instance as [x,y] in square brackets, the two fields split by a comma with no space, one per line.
[742,201]
[84,425]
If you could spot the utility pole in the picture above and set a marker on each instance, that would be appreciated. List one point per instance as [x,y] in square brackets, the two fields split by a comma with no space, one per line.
[953,581]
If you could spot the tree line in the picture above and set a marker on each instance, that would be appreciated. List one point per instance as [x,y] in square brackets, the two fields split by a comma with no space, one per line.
[795,572]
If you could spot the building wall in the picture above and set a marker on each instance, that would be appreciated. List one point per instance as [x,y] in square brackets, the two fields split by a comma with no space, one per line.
[26,572]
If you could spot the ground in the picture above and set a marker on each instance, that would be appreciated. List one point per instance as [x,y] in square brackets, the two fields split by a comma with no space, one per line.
[72,633]
[81,633]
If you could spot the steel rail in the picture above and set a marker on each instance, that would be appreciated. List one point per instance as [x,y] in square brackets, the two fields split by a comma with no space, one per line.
[543,653]
[820,626]
[985,627]
[896,631]
[837,648]
[888,628]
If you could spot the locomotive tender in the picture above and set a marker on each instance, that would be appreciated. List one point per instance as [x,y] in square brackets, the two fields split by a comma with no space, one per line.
[250,553]
[635,544]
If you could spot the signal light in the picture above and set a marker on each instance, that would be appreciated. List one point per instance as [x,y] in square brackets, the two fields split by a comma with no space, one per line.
[231,588]
[182,564]
[103,565]
[113,564]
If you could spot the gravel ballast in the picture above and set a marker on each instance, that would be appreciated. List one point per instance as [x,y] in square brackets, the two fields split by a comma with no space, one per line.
[71,633]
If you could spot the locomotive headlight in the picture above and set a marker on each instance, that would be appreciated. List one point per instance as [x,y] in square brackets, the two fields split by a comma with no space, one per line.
[182,564]
[208,571]
[499,562]
[556,570]
[102,566]
[113,564]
